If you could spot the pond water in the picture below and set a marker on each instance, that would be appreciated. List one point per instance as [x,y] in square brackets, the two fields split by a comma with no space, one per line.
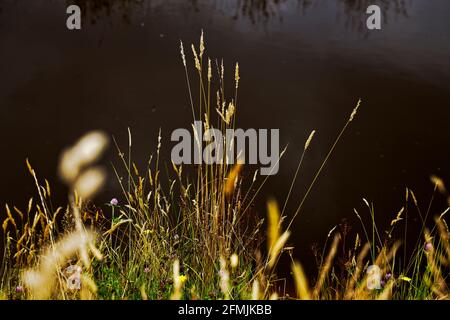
[304,64]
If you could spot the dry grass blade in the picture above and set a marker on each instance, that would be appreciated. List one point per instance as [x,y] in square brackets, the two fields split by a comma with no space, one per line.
[386,293]
[301,282]
[350,289]
[42,280]
[326,267]
[274,221]
[277,248]
[232,179]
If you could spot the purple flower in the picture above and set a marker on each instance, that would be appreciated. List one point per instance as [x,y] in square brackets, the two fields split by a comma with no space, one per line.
[114,202]
[428,247]
[19,289]
[388,276]
[383,283]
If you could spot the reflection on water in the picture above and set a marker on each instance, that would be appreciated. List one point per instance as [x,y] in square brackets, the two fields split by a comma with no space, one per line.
[307,68]
[257,11]
[355,11]
[94,9]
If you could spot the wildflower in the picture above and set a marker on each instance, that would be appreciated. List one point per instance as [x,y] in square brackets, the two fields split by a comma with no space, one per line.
[19,289]
[428,247]
[404,278]
[388,276]
[182,278]
[147,270]
[114,202]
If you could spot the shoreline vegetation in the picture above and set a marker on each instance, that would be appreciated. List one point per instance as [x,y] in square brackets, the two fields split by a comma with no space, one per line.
[199,238]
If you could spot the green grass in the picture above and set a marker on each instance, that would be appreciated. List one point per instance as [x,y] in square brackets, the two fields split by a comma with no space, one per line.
[179,236]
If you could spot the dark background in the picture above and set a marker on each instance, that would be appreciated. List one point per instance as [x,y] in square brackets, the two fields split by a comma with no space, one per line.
[304,64]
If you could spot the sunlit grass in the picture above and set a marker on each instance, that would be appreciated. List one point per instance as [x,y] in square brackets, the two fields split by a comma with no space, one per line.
[174,235]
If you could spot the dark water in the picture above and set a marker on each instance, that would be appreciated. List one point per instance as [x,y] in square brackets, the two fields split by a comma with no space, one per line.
[303,65]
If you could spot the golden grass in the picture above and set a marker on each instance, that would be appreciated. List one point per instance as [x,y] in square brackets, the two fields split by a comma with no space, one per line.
[198,238]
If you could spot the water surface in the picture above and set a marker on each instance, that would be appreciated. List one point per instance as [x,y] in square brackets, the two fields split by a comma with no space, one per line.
[303,66]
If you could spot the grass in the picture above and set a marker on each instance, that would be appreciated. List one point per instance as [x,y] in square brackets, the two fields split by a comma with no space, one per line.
[196,236]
